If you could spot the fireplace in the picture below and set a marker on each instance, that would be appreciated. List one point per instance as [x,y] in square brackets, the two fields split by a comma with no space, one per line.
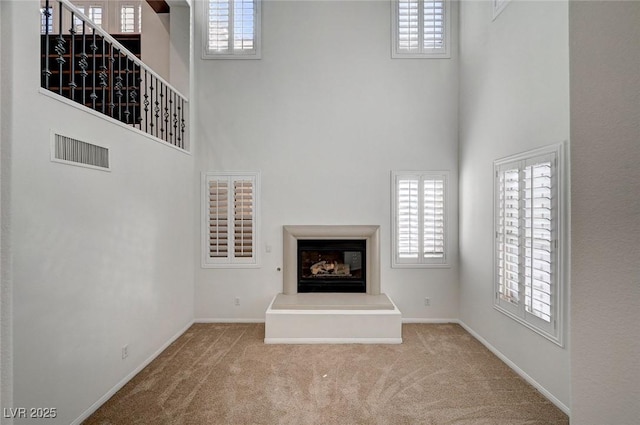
[332,265]
[344,259]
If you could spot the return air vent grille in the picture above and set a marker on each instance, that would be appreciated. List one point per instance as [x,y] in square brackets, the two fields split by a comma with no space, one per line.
[77,152]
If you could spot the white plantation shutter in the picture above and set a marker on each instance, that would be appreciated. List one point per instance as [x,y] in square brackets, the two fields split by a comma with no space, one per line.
[527,236]
[420,28]
[219,218]
[244,15]
[130,18]
[218,26]
[538,239]
[409,25]
[433,24]
[433,227]
[408,217]
[243,218]
[509,235]
[230,219]
[93,12]
[419,213]
[233,28]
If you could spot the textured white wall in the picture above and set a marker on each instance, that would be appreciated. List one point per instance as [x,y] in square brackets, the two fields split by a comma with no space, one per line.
[100,259]
[180,48]
[514,96]
[605,135]
[6,345]
[155,40]
[325,115]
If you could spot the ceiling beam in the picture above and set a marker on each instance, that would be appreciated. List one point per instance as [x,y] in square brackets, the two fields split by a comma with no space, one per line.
[159,6]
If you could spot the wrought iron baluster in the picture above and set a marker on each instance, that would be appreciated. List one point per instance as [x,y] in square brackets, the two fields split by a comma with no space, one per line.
[182,122]
[83,63]
[156,109]
[127,71]
[118,85]
[174,110]
[146,104]
[179,115]
[162,112]
[60,50]
[133,95]
[171,121]
[46,71]
[94,48]
[104,77]
[112,61]
[72,58]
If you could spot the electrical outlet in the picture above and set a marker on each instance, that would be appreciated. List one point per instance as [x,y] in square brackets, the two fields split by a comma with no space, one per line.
[427,301]
[237,301]
[125,351]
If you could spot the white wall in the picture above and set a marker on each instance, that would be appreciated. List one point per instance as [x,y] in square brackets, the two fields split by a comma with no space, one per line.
[325,115]
[605,136]
[6,343]
[100,259]
[180,48]
[155,40]
[514,96]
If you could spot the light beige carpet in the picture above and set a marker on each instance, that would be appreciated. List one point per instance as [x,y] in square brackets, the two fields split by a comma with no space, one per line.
[225,374]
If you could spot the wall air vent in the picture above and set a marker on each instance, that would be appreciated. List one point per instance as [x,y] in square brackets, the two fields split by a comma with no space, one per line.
[76,152]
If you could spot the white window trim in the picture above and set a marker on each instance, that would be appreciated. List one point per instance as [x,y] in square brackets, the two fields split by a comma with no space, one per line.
[255,54]
[229,262]
[420,262]
[444,53]
[553,331]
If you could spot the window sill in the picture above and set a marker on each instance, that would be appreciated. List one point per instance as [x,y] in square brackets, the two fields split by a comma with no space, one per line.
[556,339]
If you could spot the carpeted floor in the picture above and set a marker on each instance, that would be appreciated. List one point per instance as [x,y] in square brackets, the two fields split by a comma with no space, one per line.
[225,374]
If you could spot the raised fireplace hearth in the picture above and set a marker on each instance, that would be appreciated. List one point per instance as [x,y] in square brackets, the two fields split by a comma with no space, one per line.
[339,260]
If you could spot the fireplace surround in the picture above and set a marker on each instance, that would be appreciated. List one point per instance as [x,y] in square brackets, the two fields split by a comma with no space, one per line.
[333,318]
[368,235]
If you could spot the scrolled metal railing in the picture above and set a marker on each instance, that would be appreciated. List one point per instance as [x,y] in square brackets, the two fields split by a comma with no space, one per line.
[84,63]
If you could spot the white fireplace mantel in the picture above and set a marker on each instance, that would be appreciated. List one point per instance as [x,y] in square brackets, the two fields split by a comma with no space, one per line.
[291,234]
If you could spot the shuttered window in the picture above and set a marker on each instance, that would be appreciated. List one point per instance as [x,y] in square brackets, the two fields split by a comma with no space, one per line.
[419,214]
[230,219]
[93,12]
[529,239]
[46,20]
[420,28]
[131,18]
[233,29]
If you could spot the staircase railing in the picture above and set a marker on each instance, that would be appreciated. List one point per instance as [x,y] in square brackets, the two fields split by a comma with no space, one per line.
[87,65]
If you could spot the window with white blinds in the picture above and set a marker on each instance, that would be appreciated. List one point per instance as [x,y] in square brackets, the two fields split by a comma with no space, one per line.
[46,20]
[230,219]
[93,12]
[419,215]
[528,239]
[420,28]
[233,29]
[131,18]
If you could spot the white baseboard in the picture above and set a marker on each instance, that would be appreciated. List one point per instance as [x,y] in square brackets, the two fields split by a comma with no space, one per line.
[333,340]
[227,320]
[517,370]
[128,378]
[423,320]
